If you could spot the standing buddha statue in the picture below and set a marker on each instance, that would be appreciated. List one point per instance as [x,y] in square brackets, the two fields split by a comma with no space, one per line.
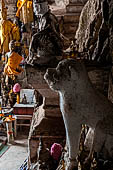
[6,30]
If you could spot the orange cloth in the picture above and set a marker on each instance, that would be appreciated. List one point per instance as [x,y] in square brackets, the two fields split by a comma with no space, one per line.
[25,11]
[6,34]
[12,67]
[20,3]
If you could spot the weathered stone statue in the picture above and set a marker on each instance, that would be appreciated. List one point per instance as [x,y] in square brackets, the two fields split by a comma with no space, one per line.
[46,44]
[80,104]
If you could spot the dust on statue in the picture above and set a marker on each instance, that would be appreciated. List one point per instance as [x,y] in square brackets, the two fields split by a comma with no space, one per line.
[12,67]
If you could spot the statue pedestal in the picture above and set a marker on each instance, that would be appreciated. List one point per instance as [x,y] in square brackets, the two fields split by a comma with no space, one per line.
[75,6]
[47,123]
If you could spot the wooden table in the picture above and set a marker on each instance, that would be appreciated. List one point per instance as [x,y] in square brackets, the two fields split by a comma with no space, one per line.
[21,117]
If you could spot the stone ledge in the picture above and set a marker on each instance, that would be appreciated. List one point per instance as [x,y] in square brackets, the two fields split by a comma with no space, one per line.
[71,17]
[74,8]
[50,112]
[78,2]
[50,98]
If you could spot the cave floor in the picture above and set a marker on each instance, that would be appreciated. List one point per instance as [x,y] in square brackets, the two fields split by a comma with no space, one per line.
[14,157]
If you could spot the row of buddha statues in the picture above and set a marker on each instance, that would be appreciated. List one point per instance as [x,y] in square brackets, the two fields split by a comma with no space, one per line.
[37,29]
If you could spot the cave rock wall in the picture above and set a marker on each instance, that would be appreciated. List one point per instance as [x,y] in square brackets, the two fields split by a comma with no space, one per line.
[94,33]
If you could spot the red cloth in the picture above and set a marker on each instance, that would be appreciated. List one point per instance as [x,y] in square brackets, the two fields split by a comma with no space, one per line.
[56,150]
[16,88]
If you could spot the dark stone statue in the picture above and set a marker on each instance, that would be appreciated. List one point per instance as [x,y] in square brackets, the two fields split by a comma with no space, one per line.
[46,44]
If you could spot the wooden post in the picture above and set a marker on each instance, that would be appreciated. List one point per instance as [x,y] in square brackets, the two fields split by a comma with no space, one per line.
[15,129]
[9,132]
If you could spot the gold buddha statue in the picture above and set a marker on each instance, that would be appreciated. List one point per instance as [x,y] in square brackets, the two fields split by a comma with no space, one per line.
[6,31]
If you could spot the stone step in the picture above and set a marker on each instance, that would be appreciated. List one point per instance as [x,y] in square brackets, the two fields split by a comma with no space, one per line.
[78,2]
[74,8]
[71,17]
[50,111]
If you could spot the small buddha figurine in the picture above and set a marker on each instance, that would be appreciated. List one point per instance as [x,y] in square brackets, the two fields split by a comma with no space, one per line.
[24,100]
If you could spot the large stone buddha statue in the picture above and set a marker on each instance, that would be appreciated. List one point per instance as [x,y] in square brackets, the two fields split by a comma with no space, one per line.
[46,44]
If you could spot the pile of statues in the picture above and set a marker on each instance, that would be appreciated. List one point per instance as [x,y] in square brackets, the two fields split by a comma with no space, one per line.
[33,38]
